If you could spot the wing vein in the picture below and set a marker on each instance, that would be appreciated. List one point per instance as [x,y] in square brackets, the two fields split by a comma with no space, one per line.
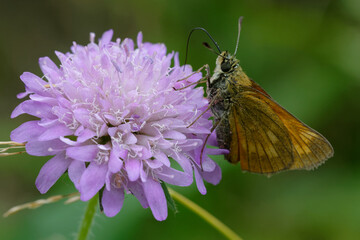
[267,156]
[317,146]
[283,144]
[286,132]
[295,139]
[246,138]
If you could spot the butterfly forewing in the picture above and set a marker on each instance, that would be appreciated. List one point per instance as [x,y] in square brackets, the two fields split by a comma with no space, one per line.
[259,140]
[266,138]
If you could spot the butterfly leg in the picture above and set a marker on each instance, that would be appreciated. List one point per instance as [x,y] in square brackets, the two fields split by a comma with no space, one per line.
[206,139]
[213,101]
[201,80]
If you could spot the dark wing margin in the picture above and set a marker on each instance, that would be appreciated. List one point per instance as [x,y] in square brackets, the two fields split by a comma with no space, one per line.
[265,138]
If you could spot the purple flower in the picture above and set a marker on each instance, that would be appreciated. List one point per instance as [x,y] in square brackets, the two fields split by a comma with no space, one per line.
[111,118]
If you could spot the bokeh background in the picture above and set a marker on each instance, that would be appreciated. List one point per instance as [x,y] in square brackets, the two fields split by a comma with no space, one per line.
[306,54]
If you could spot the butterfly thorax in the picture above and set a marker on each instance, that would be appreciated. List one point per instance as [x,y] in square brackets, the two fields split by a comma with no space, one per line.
[226,82]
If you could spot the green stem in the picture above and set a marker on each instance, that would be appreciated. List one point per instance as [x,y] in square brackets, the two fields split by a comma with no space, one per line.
[216,223]
[88,218]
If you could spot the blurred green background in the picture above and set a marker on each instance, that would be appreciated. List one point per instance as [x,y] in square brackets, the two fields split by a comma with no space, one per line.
[306,54]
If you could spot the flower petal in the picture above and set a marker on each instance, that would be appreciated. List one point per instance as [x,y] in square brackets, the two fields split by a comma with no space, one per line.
[51,172]
[213,177]
[132,167]
[75,171]
[115,163]
[162,158]
[175,177]
[106,37]
[38,148]
[137,190]
[50,70]
[85,153]
[156,199]
[18,110]
[27,131]
[92,180]
[171,134]
[34,108]
[112,201]
[199,182]
[55,132]
[33,82]
[84,135]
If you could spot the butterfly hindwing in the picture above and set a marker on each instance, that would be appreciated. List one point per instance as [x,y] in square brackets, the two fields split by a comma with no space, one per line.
[310,148]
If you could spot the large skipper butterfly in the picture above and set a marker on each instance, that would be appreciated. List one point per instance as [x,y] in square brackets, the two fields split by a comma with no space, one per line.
[257,131]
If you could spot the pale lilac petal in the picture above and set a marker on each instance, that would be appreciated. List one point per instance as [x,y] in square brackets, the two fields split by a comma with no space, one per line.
[171,134]
[82,115]
[18,110]
[112,201]
[85,153]
[212,139]
[92,180]
[50,70]
[208,165]
[137,190]
[46,148]
[156,199]
[115,163]
[154,163]
[162,158]
[139,39]
[213,177]
[132,167]
[184,162]
[86,134]
[26,131]
[106,37]
[175,177]
[75,171]
[33,82]
[22,95]
[216,151]
[199,182]
[51,172]
[37,109]
[55,132]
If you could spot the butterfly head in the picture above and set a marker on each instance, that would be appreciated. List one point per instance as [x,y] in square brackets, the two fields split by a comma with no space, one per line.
[226,62]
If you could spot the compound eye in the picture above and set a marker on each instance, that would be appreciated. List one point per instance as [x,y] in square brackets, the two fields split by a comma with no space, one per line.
[225,66]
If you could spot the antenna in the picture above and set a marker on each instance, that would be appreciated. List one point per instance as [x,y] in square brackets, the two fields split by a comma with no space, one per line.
[212,50]
[207,45]
[238,36]
[188,40]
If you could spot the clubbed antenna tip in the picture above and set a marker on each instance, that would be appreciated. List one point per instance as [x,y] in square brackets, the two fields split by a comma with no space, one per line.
[238,36]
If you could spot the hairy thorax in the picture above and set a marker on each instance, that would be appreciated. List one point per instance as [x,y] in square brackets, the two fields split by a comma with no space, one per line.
[222,89]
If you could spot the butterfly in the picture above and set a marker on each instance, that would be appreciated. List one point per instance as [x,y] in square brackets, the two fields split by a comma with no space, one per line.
[259,133]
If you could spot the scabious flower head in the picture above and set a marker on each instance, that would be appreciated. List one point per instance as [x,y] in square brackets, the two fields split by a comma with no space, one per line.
[111,118]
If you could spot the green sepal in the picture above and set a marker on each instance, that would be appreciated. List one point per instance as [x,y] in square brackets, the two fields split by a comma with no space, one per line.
[170,201]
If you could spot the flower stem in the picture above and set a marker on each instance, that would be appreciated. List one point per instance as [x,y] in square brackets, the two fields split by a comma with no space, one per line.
[88,218]
[216,223]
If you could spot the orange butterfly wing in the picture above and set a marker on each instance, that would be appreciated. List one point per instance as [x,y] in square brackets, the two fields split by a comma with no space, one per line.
[265,138]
